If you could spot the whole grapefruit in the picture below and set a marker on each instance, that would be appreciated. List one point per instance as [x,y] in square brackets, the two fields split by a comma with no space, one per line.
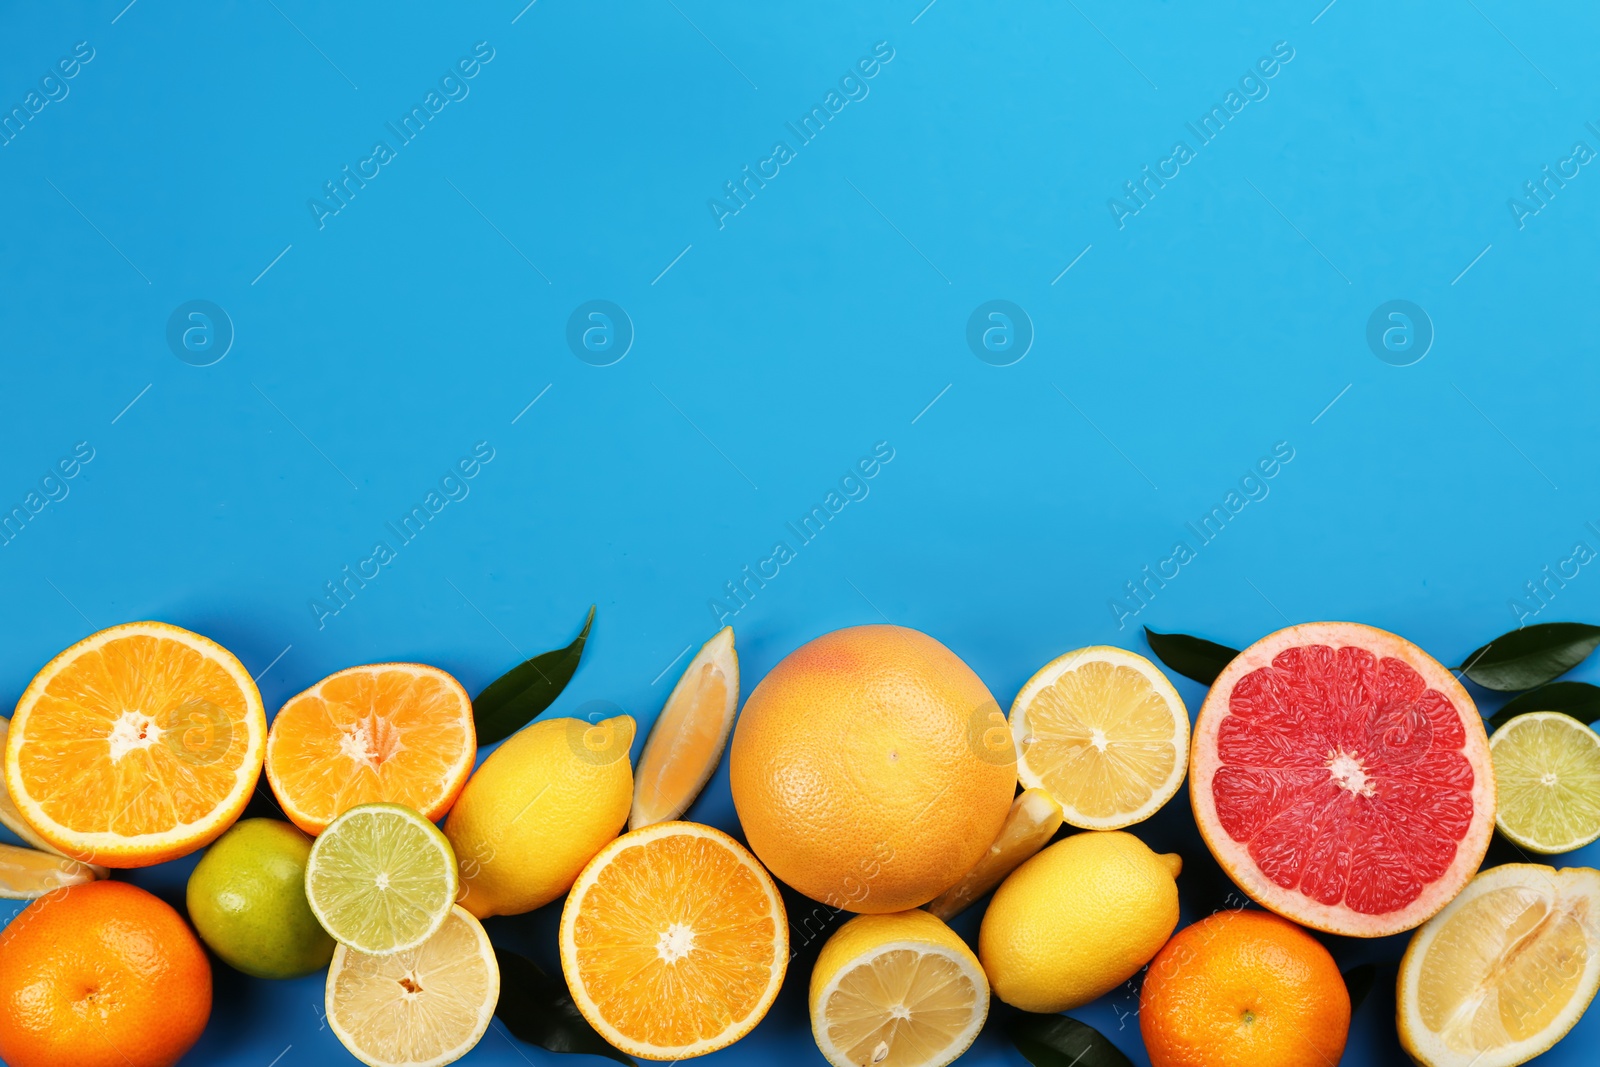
[101,975]
[871,769]
[1341,776]
[1244,989]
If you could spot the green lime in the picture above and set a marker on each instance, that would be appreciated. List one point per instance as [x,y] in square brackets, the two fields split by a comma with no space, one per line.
[381,879]
[247,899]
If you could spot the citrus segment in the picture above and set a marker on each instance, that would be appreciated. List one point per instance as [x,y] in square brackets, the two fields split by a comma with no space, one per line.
[1547,781]
[899,990]
[871,769]
[395,732]
[1504,971]
[424,1007]
[137,745]
[381,878]
[1341,776]
[1105,733]
[12,819]
[27,873]
[688,737]
[674,941]
[1034,819]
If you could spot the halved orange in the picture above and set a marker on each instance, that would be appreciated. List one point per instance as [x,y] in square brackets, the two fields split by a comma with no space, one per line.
[689,735]
[399,733]
[137,745]
[674,941]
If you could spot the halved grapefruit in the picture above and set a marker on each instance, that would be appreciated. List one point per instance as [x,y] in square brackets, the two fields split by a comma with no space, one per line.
[1341,776]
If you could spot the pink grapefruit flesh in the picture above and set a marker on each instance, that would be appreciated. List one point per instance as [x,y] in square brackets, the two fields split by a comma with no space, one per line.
[1341,776]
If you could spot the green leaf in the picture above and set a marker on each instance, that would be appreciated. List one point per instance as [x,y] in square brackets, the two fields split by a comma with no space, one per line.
[1059,1041]
[1192,657]
[1358,980]
[538,1009]
[513,699]
[1577,699]
[1531,656]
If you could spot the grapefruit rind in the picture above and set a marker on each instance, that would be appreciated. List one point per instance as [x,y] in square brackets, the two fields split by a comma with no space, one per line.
[1233,856]
[1576,887]
[1159,792]
[573,971]
[110,849]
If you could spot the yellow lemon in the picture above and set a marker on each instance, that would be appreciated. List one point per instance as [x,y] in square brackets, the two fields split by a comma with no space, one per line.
[1078,920]
[896,990]
[538,810]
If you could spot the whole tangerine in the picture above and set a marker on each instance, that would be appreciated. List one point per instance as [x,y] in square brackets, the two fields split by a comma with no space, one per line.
[101,975]
[1244,989]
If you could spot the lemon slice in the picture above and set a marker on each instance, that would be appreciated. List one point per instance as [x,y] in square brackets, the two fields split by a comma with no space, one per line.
[689,735]
[1547,778]
[1504,971]
[423,1007]
[381,878]
[896,990]
[1104,733]
[1034,819]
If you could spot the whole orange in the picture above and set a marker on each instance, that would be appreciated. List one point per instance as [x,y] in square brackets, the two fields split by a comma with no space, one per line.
[1244,989]
[101,975]
[871,769]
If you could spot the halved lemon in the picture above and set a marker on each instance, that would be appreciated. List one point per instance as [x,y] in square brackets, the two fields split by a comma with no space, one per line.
[674,941]
[1504,971]
[137,745]
[424,1007]
[381,878]
[689,735]
[395,732]
[1032,822]
[1102,731]
[896,990]
[1547,781]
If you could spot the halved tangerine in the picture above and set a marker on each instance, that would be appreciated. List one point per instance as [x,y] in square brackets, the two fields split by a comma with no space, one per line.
[400,733]
[1341,776]
[137,745]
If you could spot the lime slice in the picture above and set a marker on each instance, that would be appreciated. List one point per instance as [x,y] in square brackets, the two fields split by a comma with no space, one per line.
[423,1007]
[1547,776]
[381,879]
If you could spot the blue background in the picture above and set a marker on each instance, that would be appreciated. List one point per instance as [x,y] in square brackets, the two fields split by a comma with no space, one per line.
[770,353]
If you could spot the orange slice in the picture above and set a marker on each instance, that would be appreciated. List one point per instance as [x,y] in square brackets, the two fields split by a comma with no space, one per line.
[137,745]
[689,735]
[674,941]
[399,733]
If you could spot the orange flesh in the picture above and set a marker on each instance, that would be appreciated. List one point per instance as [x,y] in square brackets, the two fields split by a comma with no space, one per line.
[136,737]
[396,734]
[677,941]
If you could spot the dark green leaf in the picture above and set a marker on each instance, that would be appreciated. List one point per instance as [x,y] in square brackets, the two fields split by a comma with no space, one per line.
[1192,657]
[514,698]
[1358,980]
[1578,699]
[1531,656]
[538,1009]
[1058,1041]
